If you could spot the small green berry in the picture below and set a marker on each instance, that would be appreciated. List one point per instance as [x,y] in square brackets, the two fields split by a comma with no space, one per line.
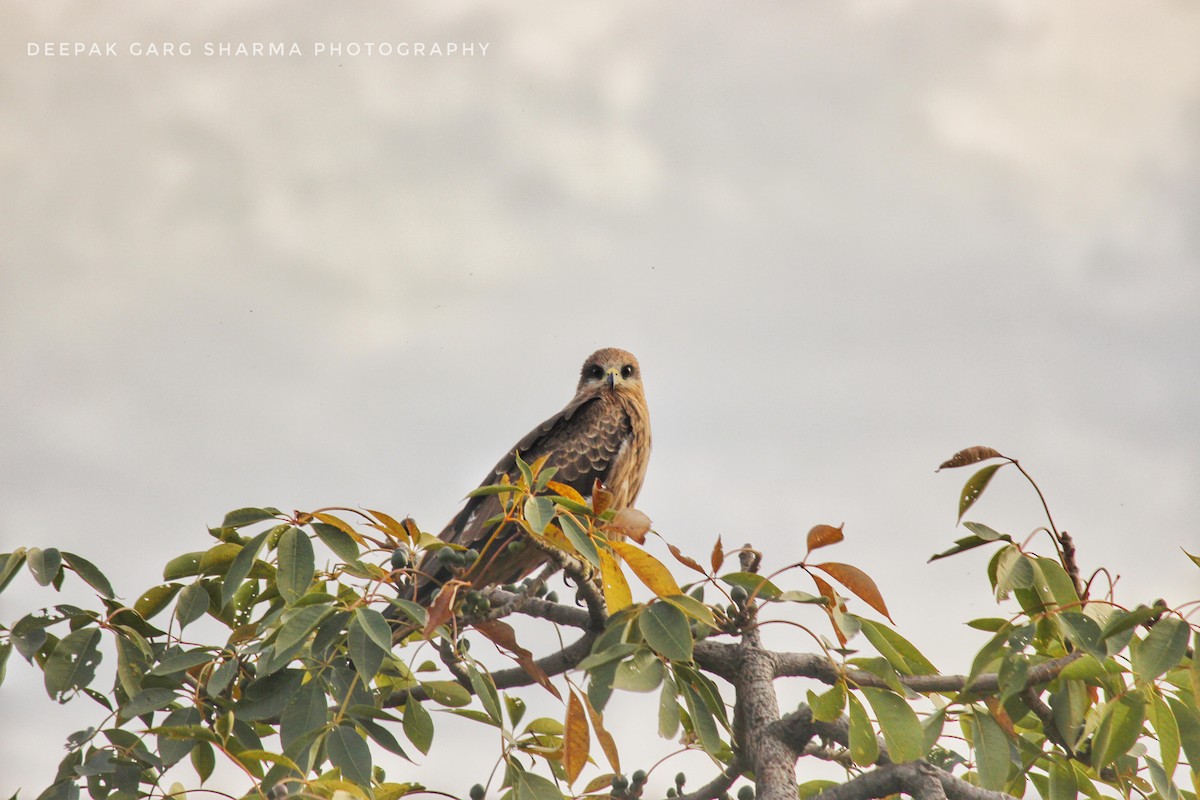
[738,595]
[639,777]
[746,793]
[477,792]
[552,597]
[680,780]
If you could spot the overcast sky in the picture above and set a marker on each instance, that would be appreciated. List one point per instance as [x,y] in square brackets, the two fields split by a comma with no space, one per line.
[844,239]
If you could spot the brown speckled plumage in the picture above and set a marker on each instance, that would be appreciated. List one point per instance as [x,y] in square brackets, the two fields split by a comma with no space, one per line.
[603,433]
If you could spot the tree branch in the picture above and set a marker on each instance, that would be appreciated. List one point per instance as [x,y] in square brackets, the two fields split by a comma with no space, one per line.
[718,786]
[771,760]
[811,665]
[917,779]
[553,664]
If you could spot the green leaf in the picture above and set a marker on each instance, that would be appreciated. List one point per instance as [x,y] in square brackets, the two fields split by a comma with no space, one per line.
[365,652]
[991,752]
[1163,648]
[12,564]
[349,753]
[974,488]
[1120,727]
[986,533]
[299,624]
[1167,731]
[485,690]
[221,677]
[693,608]
[382,736]
[615,653]
[204,761]
[182,661]
[960,546]
[88,571]
[418,725]
[72,664]
[756,585]
[538,513]
[248,516]
[1082,631]
[155,599]
[642,673]
[1062,782]
[828,707]
[43,564]
[864,747]
[666,631]
[447,693]
[495,488]
[899,724]
[668,709]
[268,696]
[184,566]
[1053,584]
[192,604]
[337,540]
[241,566]
[704,725]
[146,701]
[1188,722]
[577,534]
[528,786]
[904,657]
[297,565]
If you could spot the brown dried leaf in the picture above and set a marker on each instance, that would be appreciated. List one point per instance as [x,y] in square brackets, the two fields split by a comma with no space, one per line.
[686,561]
[504,637]
[1000,715]
[562,490]
[718,556]
[576,739]
[414,533]
[858,582]
[629,523]
[441,610]
[829,594]
[602,498]
[970,455]
[824,535]
[606,740]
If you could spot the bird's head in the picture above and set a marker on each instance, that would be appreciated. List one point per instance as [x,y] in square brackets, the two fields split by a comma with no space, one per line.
[611,370]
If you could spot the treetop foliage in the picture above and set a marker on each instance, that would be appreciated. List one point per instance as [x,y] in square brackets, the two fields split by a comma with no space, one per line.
[325,662]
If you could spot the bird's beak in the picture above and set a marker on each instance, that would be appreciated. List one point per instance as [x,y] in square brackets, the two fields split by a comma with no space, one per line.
[613,377]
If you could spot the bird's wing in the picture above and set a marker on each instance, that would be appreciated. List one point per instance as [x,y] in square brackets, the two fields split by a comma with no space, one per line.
[583,441]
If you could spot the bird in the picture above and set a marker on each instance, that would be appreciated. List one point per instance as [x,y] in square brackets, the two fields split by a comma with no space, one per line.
[602,434]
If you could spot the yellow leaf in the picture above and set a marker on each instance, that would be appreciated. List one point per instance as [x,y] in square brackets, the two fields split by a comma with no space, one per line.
[685,560]
[606,740]
[391,524]
[341,525]
[648,569]
[536,466]
[576,740]
[616,588]
[858,582]
[562,490]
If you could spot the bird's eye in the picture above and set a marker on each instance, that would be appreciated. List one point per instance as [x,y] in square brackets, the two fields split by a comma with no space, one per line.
[594,372]
[627,371]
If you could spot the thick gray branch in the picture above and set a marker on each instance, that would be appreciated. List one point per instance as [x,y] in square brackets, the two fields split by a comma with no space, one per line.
[818,667]
[917,779]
